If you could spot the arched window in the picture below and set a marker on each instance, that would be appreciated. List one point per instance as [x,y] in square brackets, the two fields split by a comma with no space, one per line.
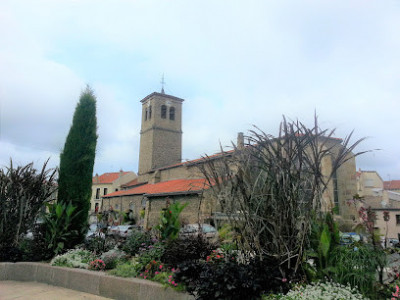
[145,114]
[163,111]
[172,113]
[149,112]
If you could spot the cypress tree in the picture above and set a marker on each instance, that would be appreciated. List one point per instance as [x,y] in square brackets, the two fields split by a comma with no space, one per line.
[76,164]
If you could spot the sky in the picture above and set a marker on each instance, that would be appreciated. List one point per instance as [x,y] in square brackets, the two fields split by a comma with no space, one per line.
[237,64]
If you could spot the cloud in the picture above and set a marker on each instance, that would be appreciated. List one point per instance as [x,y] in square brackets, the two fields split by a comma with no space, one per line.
[235,65]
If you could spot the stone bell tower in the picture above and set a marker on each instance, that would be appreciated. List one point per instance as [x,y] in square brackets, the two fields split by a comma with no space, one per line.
[161,132]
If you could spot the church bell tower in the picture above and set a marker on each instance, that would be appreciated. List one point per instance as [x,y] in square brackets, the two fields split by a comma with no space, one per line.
[161,132]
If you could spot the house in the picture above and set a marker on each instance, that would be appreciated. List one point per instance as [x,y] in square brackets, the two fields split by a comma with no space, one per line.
[151,198]
[392,185]
[384,200]
[163,178]
[108,183]
[369,183]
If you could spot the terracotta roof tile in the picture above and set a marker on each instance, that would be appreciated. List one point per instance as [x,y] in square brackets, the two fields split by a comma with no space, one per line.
[108,177]
[391,185]
[165,187]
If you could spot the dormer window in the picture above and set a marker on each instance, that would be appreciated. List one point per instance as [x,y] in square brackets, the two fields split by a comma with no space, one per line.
[172,113]
[163,111]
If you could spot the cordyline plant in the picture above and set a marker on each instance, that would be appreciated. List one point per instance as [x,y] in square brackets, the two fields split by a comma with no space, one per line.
[23,192]
[270,187]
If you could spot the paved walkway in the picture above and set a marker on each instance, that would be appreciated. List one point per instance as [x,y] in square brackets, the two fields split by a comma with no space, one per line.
[40,291]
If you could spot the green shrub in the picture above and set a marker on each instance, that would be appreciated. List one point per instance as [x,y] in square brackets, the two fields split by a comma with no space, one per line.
[228,247]
[167,280]
[112,257]
[131,268]
[357,265]
[226,233]
[324,239]
[135,241]
[170,224]
[188,248]
[99,244]
[36,248]
[151,252]
[58,222]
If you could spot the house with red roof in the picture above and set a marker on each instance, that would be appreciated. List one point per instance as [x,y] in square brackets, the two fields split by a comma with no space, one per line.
[108,183]
[392,185]
[152,198]
[383,197]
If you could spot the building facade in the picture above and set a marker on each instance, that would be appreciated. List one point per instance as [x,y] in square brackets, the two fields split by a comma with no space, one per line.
[163,178]
[108,183]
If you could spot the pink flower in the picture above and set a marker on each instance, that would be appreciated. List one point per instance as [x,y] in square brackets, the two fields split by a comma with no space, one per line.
[145,277]
[169,280]
[396,294]
[173,282]
[173,270]
[284,280]
[156,272]
[160,267]
[170,276]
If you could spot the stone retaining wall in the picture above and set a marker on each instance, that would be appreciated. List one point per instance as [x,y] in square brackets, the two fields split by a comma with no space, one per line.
[97,283]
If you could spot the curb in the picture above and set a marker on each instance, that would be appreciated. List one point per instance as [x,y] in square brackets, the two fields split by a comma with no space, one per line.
[97,283]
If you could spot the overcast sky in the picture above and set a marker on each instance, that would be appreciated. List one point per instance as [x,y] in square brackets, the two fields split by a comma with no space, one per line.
[236,64]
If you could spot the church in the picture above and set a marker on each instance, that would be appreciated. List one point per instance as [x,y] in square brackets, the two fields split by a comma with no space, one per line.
[163,178]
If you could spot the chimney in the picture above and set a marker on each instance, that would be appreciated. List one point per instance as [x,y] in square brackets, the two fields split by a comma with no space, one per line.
[96,178]
[240,141]
[121,173]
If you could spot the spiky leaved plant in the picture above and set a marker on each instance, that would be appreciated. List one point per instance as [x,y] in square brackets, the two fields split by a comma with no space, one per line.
[270,187]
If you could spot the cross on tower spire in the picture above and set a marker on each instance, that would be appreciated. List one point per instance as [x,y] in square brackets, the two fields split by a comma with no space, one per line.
[162,84]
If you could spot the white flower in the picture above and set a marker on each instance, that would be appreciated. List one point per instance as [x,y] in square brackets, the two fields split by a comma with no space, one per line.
[325,291]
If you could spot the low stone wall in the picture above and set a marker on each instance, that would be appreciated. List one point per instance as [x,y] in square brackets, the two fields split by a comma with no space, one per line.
[97,283]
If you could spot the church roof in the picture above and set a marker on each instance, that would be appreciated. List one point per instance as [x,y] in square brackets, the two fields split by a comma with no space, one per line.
[178,186]
[161,95]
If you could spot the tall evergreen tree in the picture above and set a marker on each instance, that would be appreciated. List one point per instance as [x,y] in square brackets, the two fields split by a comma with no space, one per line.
[76,163]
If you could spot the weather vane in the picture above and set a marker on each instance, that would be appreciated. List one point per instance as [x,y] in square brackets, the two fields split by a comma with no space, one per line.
[162,84]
